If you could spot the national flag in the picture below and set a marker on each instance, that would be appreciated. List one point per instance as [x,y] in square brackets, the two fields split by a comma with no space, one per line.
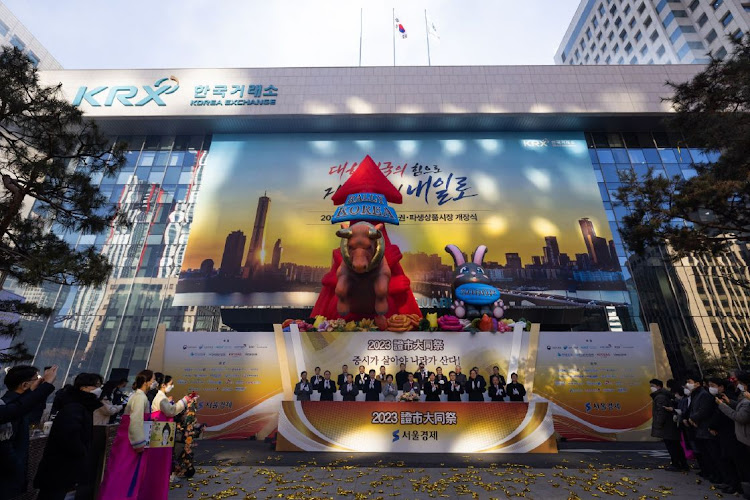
[400,27]
[432,28]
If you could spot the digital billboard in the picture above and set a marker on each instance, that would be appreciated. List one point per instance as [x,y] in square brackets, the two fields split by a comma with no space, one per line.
[262,236]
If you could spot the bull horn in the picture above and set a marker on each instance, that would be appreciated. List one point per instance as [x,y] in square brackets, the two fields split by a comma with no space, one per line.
[344,233]
[374,234]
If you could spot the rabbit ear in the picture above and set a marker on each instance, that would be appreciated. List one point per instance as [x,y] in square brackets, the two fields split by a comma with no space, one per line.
[458,257]
[478,256]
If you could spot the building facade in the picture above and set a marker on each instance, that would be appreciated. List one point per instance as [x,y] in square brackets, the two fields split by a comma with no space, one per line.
[652,31]
[169,120]
[14,33]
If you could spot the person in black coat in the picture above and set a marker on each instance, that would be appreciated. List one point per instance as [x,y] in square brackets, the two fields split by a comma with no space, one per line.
[67,461]
[422,375]
[327,387]
[431,389]
[495,390]
[362,379]
[475,386]
[453,388]
[303,389]
[341,379]
[373,387]
[663,425]
[349,390]
[316,380]
[702,406]
[516,391]
[401,376]
[730,454]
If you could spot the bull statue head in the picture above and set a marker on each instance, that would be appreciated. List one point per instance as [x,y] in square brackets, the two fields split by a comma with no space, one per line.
[362,246]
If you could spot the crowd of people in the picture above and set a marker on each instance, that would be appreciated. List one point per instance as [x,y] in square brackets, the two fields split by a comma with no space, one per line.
[72,456]
[409,386]
[708,420]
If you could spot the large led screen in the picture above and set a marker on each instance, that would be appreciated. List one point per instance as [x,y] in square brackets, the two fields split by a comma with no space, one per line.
[262,234]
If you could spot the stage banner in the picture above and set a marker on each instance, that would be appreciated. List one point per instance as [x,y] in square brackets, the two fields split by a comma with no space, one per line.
[262,235]
[237,376]
[510,352]
[416,427]
[597,382]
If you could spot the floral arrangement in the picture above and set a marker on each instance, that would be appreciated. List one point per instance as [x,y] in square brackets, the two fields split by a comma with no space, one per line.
[408,396]
[408,322]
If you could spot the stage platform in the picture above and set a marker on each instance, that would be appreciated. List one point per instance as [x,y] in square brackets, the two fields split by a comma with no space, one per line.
[416,427]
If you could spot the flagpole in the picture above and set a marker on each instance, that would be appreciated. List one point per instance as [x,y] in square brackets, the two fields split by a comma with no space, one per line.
[360,36]
[393,27]
[427,34]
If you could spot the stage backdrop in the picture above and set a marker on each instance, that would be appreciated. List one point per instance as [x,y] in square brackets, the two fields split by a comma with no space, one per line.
[596,382]
[261,234]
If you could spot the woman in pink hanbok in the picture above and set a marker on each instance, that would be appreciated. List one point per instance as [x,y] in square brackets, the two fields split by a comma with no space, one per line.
[126,467]
[155,485]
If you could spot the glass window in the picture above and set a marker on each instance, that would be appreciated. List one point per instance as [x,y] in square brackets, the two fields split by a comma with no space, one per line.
[702,20]
[155,177]
[17,43]
[738,34]
[618,21]
[620,155]
[605,156]
[667,156]
[629,48]
[608,59]
[638,36]
[604,47]
[146,159]
[689,173]
[599,36]
[613,10]
[668,20]
[651,155]
[588,33]
[3,29]
[697,45]
[593,46]
[611,35]
[33,58]
[609,171]
[621,60]
[641,8]
[634,60]
[601,9]
[660,51]
[721,53]
[603,192]
[615,48]
[636,156]
[673,169]
[632,22]
[674,36]
[606,23]
[654,36]
[660,6]
[693,5]
[627,10]
[716,4]
[596,59]
[647,22]
[727,19]
[623,34]
[644,49]
[595,22]
[679,13]
[683,51]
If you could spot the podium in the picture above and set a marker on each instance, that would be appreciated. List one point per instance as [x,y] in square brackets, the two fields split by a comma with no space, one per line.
[416,427]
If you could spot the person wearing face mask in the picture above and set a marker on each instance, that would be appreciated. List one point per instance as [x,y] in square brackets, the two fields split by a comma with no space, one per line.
[726,445]
[126,467]
[26,393]
[155,484]
[67,462]
[107,410]
[153,389]
[739,412]
[700,410]
[664,427]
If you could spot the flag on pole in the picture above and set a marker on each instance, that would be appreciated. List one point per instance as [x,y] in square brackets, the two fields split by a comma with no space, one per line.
[399,27]
[432,28]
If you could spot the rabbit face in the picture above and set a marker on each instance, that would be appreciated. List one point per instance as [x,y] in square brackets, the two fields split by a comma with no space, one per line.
[468,272]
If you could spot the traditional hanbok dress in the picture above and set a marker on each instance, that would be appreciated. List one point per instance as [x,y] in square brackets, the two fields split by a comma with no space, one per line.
[126,468]
[155,485]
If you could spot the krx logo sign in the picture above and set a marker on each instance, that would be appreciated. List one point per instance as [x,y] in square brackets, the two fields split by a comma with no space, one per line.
[126,93]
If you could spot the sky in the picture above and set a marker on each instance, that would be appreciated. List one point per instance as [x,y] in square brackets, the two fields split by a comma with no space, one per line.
[91,34]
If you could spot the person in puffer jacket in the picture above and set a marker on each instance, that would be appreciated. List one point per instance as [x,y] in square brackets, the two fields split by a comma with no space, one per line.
[740,413]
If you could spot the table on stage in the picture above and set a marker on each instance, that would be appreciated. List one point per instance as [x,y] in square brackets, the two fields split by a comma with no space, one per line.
[416,427]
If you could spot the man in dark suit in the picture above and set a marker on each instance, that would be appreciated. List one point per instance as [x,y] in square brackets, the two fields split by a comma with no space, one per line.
[401,376]
[373,388]
[475,386]
[422,375]
[362,379]
[440,379]
[303,389]
[496,373]
[454,389]
[412,385]
[431,389]
[460,377]
[317,379]
[342,376]
[349,390]
[496,391]
[697,420]
[327,387]
[479,376]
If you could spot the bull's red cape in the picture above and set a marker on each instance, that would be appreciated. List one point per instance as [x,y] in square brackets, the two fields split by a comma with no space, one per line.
[369,179]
